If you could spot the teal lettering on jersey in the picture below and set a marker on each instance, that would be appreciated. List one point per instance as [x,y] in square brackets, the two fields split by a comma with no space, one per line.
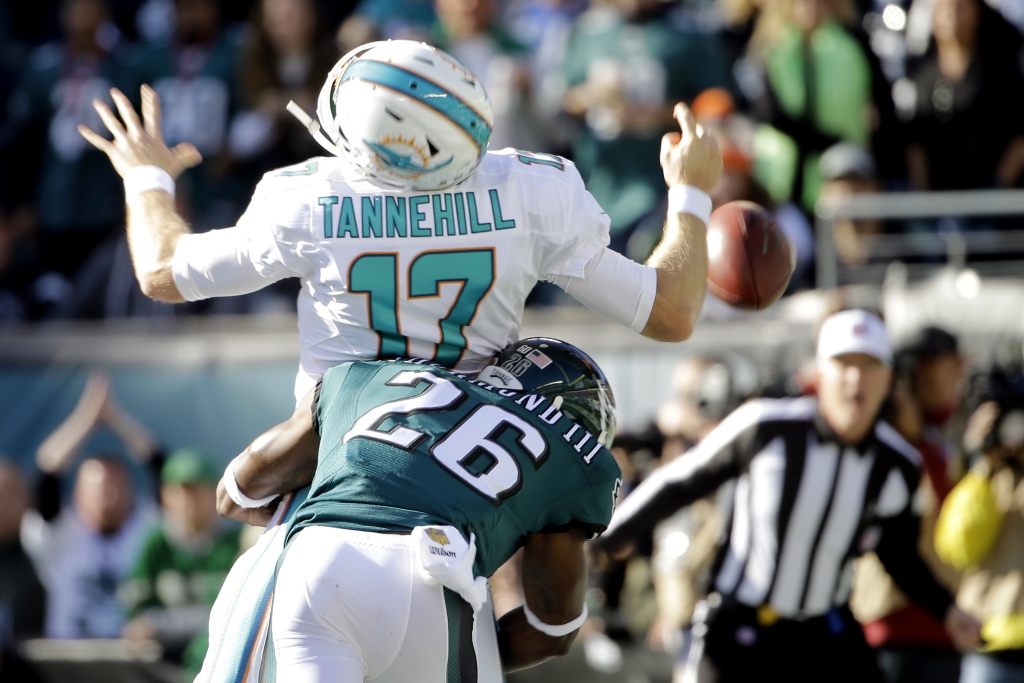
[474,269]
[460,212]
[474,223]
[328,204]
[444,218]
[394,212]
[499,221]
[416,216]
[434,215]
[376,275]
[406,444]
[347,222]
[371,210]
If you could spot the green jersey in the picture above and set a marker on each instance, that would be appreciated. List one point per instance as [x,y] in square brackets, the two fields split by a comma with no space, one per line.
[406,444]
[170,579]
[170,575]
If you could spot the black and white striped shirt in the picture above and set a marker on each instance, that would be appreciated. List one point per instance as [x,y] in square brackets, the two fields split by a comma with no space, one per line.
[805,507]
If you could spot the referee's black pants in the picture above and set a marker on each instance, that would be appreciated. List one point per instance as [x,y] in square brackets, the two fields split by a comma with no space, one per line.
[739,648]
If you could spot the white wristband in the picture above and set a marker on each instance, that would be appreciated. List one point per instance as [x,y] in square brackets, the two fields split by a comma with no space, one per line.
[231,485]
[554,631]
[145,178]
[691,200]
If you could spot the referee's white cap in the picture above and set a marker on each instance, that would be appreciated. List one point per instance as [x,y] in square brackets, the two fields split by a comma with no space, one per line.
[854,331]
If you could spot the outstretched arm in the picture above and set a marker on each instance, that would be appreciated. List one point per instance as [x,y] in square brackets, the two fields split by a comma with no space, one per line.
[172,264]
[154,226]
[720,456]
[280,460]
[554,585]
[55,454]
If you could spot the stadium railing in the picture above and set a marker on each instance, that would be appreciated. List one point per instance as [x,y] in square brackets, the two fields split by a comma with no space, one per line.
[929,250]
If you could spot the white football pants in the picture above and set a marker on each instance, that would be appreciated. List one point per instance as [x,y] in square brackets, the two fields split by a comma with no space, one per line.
[352,606]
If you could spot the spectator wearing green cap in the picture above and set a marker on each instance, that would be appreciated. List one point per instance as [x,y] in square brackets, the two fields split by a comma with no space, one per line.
[183,562]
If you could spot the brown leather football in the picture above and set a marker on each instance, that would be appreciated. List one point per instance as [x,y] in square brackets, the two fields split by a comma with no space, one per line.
[750,260]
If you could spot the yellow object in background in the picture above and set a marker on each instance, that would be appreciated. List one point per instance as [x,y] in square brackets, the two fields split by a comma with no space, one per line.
[1004,632]
[766,615]
[968,524]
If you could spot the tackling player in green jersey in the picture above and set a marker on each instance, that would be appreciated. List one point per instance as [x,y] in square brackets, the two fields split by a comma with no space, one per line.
[425,481]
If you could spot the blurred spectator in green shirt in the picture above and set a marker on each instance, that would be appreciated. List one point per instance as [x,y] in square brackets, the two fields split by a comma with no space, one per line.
[386,20]
[544,27]
[398,18]
[821,86]
[182,563]
[626,66]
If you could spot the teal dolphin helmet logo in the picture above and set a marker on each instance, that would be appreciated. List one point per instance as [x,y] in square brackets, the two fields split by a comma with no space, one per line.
[402,162]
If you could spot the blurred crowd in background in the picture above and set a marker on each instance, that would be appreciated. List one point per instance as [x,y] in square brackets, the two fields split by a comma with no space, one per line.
[120,544]
[808,99]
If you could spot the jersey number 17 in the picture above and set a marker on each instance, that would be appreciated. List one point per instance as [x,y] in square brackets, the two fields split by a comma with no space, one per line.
[376,275]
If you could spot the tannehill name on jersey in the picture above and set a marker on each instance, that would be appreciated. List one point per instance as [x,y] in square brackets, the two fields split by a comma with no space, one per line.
[425,215]
[571,430]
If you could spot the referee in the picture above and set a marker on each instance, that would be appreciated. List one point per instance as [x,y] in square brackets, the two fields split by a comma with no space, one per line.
[819,482]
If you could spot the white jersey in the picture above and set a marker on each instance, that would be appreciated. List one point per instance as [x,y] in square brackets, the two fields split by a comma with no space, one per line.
[439,275]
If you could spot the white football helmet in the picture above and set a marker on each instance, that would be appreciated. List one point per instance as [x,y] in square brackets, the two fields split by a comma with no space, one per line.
[405,114]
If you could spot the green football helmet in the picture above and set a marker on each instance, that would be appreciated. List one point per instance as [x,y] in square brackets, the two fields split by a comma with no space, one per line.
[569,378]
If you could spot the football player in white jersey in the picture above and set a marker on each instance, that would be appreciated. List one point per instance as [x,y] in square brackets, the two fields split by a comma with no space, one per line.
[412,238]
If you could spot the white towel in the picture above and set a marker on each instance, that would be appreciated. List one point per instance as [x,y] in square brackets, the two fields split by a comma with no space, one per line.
[447,559]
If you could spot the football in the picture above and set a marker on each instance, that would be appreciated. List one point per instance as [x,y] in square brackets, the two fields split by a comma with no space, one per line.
[750,260]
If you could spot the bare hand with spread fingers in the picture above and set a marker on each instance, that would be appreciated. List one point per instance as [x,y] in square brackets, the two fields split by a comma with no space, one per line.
[139,143]
[154,226]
